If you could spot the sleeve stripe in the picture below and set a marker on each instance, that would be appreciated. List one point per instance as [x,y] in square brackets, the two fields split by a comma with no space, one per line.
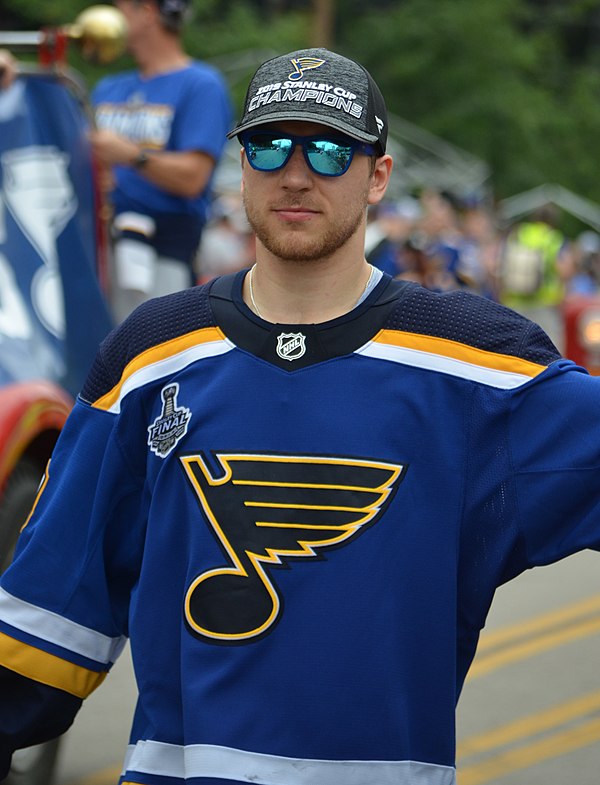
[48,626]
[457,359]
[162,360]
[461,351]
[48,669]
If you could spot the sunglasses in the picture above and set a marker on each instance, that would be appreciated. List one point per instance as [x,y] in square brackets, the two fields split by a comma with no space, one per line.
[330,156]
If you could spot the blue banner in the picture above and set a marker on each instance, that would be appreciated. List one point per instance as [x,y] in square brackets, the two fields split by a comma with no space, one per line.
[53,313]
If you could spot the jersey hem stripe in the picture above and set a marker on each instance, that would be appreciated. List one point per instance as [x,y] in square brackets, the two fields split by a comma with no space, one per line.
[213,761]
[48,669]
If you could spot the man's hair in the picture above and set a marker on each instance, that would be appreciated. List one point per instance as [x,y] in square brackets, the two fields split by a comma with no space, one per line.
[173,13]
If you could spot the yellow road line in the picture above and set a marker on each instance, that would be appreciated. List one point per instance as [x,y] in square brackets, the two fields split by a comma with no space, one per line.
[521,758]
[529,627]
[491,662]
[507,646]
[108,776]
[530,725]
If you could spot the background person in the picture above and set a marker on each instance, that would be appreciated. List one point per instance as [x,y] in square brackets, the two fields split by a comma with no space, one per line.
[303,575]
[8,69]
[161,131]
[535,264]
[389,225]
[227,243]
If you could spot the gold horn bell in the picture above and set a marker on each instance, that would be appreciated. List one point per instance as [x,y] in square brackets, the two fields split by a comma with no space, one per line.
[100,32]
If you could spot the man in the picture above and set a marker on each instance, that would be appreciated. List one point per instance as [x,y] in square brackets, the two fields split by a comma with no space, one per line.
[161,130]
[302,575]
[8,69]
[535,264]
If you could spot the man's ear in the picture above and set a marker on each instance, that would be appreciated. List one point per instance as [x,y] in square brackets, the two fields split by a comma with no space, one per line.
[380,179]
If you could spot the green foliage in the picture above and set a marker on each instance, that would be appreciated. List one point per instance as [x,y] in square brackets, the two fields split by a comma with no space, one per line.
[515,82]
[33,15]
[493,77]
[237,39]
[214,32]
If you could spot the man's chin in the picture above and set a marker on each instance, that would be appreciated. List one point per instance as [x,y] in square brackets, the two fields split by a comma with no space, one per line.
[293,254]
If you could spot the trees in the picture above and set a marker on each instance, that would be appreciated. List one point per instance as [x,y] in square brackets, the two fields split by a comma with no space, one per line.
[515,82]
[491,78]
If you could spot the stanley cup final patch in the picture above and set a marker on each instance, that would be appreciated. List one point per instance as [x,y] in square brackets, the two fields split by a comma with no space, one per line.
[171,425]
[291,346]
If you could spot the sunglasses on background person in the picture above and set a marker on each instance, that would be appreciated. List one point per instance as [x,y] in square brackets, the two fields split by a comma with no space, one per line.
[326,154]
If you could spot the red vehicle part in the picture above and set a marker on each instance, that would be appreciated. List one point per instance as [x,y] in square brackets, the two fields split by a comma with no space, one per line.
[32,415]
[582,331]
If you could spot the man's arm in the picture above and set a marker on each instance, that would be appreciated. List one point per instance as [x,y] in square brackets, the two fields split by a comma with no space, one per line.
[30,713]
[8,69]
[182,173]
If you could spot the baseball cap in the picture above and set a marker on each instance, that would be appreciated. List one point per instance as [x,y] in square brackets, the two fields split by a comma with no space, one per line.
[320,86]
[173,9]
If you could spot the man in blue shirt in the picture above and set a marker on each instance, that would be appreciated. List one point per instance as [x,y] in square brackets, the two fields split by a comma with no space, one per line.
[160,132]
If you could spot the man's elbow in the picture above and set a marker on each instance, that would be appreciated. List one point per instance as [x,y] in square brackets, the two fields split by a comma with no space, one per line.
[197,175]
[193,189]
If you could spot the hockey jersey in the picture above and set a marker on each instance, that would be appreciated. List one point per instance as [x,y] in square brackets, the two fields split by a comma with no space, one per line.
[300,528]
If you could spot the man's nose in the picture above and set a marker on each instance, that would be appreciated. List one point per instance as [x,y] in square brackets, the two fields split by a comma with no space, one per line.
[296,173]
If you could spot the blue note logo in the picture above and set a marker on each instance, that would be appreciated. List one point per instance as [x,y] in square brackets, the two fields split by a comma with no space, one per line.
[302,64]
[265,510]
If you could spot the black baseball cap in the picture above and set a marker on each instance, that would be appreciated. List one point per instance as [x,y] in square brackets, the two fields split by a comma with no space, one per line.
[316,85]
[173,8]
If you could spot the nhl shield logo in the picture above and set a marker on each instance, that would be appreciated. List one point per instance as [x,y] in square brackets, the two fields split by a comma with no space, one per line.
[291,346]
[171,425]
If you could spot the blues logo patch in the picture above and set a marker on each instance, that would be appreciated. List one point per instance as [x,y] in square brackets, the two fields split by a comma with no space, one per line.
[264,511]
[302,64]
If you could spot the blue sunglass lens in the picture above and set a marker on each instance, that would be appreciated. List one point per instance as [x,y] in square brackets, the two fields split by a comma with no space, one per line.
[329,157]
[269,152]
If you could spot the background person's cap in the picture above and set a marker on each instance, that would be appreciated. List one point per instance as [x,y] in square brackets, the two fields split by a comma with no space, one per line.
[173,10]
[316,85]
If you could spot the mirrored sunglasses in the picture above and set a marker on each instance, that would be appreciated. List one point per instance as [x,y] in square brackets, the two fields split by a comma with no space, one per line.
[330,156]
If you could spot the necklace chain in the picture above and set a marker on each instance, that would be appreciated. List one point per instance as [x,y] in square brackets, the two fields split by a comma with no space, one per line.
[254,305]
[257,309]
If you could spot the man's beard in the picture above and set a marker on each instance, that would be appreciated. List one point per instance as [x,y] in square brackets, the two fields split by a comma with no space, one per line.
[296,245]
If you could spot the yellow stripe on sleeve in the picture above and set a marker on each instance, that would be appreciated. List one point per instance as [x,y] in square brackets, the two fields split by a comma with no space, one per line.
[454,350]
[157,354]
[48,669]
[37,497]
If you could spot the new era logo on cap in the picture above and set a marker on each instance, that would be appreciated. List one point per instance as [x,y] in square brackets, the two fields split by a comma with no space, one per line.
[316,85]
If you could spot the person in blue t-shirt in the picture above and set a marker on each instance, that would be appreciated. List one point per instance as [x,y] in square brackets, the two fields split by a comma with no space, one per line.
[160,132]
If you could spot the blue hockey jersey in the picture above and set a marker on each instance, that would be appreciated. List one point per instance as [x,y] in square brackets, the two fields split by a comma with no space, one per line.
[300,528]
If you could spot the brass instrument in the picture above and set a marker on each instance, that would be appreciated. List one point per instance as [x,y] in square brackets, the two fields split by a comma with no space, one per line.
[99,31]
